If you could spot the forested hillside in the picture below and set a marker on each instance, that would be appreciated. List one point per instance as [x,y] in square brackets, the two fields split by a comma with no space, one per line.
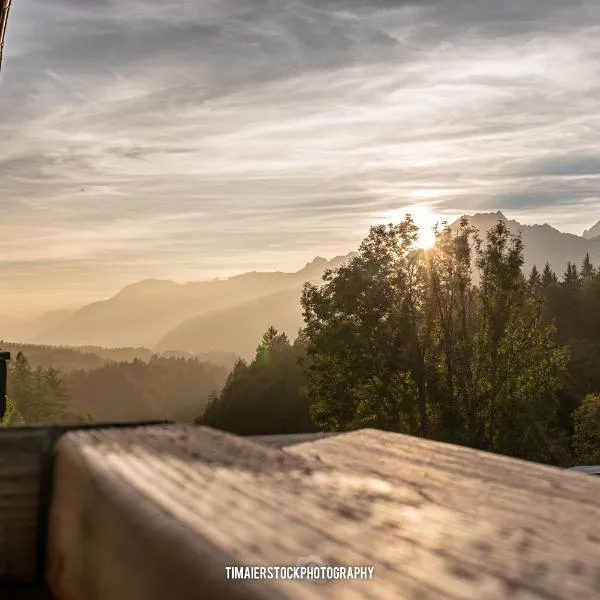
[264,396]
[68,359]
[161,388]
[402,339]
[457,343]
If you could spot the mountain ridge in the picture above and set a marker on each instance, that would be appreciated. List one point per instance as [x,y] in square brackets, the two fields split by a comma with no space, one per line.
[142,313]
[186,317]
[592,232]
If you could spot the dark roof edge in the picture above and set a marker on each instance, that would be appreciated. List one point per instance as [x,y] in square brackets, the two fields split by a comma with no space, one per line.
[4,10]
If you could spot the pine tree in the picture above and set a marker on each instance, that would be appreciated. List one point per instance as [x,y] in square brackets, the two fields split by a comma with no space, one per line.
[535,279]
[40,395]
[272,341]
[587,269]
[57,396]
[586,438]
[264,397]
[20,383]
[548,276]
[571,275]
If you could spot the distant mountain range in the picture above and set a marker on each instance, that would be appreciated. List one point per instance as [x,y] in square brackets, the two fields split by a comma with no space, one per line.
[592,232]
[196,317]
[543,243]
[229,315]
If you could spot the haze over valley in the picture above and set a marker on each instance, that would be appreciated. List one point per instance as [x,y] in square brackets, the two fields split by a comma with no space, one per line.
[230,314]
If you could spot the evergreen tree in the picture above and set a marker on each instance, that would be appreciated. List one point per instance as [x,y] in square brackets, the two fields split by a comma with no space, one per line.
[535,279]
[266,396]
[548,276]
[586,436]
[587,269]
[571,275]
[272,342]
[20,382]
[40,395]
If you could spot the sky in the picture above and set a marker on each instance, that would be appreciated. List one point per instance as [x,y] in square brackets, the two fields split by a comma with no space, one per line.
[192,139]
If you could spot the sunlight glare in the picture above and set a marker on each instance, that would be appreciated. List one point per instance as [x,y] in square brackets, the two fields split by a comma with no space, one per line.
[423,218]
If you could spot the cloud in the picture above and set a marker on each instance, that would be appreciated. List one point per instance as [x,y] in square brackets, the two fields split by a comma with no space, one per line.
[200,137]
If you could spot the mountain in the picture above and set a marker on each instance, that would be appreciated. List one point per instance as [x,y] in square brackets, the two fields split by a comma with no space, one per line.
[592,232]
[229,315]
[144,313]
[11,328]
[239,327]
[29,330]
[542,242]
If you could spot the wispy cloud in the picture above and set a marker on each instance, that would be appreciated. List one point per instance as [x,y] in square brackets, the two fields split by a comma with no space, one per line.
[194,138]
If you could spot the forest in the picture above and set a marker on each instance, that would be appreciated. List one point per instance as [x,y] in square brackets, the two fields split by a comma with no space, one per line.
[172,388]
[455,343]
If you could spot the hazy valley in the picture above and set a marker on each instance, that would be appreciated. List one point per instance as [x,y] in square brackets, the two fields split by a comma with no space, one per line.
[239,354]
[229,315]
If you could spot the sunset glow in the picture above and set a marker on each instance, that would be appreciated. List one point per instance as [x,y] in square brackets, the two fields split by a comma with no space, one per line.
[191,139]
[424,218]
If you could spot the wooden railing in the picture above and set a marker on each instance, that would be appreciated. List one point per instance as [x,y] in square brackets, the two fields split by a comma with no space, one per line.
[160,511]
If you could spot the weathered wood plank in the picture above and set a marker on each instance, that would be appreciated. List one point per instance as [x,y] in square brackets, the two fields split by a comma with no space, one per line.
[25,486]
[476,483]
[158,512]
[21,452]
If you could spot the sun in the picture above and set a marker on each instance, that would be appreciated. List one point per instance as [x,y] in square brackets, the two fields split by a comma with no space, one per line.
[423,218]
[425,222]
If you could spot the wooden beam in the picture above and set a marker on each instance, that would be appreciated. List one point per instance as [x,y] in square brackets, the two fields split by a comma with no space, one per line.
[26,460]
[479,484]
[21,455]
[159,512]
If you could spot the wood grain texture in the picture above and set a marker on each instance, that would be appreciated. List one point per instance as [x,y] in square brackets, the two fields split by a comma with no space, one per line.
[543,522]
[158,512]
[20,465]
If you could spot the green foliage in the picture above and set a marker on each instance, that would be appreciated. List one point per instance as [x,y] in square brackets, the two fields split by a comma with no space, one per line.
[12,415]
[518,365]
[265,396]
[454,343]
[571,276]
[161,388]
[362,327]
[535,280]
[40,395]
[87,358]
[549,277]
[588,272]
[586,436]
[401,339]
